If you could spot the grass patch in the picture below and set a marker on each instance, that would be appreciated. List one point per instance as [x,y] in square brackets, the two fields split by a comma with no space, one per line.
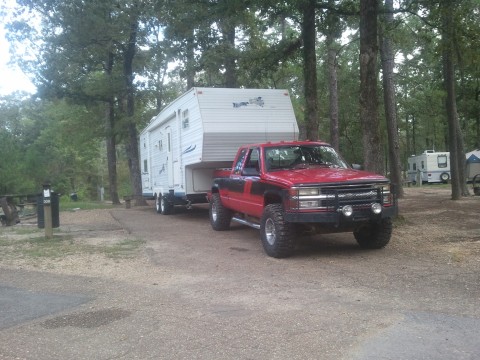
[60,246]
[26,230]
[83,205]
[52,248]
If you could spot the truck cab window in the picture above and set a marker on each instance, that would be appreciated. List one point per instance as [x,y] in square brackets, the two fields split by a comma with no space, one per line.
[237,169]
[253,160]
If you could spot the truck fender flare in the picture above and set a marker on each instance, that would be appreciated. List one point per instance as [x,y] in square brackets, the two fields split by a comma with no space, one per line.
[272,197]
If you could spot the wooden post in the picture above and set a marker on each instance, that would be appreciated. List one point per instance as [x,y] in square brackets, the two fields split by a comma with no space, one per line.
[47,211]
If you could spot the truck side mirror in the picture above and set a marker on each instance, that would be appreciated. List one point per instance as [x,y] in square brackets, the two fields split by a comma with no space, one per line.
[356,166]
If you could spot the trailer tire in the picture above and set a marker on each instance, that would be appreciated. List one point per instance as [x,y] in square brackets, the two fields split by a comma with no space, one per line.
[276,233]
[220,216]
[444,177]
[165,205]
[158,207]
[374,235]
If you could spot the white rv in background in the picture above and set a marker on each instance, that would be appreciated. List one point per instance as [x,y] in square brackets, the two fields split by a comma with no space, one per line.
[431,167]
[201,131]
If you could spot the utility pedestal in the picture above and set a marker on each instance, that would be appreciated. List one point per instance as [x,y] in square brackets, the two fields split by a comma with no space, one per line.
[47,211]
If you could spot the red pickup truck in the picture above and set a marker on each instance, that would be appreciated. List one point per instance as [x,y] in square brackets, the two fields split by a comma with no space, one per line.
[286,188]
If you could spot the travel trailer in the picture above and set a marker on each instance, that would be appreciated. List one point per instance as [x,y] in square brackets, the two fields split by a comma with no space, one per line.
[473,164]
[200,132]
[430,167]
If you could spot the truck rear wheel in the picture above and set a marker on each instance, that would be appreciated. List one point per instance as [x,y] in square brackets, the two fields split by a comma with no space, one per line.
[374,235]
[158,208]
[276,233]
[220,216]
[163,205]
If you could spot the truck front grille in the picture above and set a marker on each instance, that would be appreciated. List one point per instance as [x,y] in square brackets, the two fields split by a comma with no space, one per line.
[358,197]
[334,197]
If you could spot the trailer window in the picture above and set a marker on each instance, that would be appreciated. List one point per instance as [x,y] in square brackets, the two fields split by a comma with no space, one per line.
[415,166]
[185,119]
[423,165]
[145,166]
[442,161]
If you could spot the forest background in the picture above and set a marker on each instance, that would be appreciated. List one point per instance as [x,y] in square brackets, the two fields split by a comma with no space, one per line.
[379,80]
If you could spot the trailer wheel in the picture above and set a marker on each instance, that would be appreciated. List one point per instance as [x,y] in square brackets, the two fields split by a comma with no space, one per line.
[374,235]
[276,233]
[158,207]
[444,177]
[220,216]
[165,205]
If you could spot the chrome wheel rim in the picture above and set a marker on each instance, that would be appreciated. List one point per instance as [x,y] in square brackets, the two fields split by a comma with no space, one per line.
[214,212]
[270,234]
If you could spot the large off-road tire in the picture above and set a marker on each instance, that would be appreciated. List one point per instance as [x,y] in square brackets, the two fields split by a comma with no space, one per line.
[374,235]
[276,233]
[163,205]
[220,216]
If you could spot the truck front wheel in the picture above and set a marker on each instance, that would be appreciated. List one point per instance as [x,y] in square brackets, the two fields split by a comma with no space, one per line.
[276,233]
[220,216]
[374,235]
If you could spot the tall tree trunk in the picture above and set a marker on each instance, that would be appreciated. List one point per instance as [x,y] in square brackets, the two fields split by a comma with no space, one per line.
[332,32]
[110,137]
[372,145]
[190,61]
[111,152]
[228,32]
[457,154]
[388,63]
[310,70]
[132,141]
[477,122]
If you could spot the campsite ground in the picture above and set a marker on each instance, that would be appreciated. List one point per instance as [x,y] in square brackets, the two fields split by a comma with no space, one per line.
[129,283]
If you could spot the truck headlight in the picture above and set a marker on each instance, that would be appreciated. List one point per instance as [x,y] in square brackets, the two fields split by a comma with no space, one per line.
[308,191]
[308,204]
[386,194]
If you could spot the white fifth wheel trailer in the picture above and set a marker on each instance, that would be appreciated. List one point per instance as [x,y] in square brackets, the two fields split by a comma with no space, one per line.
[430,166]
[201,131]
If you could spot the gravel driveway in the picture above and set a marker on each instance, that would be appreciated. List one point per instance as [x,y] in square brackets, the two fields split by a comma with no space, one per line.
[133,284]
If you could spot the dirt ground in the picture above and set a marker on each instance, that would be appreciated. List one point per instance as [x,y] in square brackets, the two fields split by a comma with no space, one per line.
[131,284]
[429,225]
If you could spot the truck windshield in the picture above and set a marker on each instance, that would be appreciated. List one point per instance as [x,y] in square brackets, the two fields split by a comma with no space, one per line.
[302,157]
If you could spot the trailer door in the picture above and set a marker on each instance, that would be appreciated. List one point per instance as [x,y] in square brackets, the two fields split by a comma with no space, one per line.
[145,157]
[170,172]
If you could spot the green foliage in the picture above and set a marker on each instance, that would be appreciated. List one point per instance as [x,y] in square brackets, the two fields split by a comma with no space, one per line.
[58,136]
